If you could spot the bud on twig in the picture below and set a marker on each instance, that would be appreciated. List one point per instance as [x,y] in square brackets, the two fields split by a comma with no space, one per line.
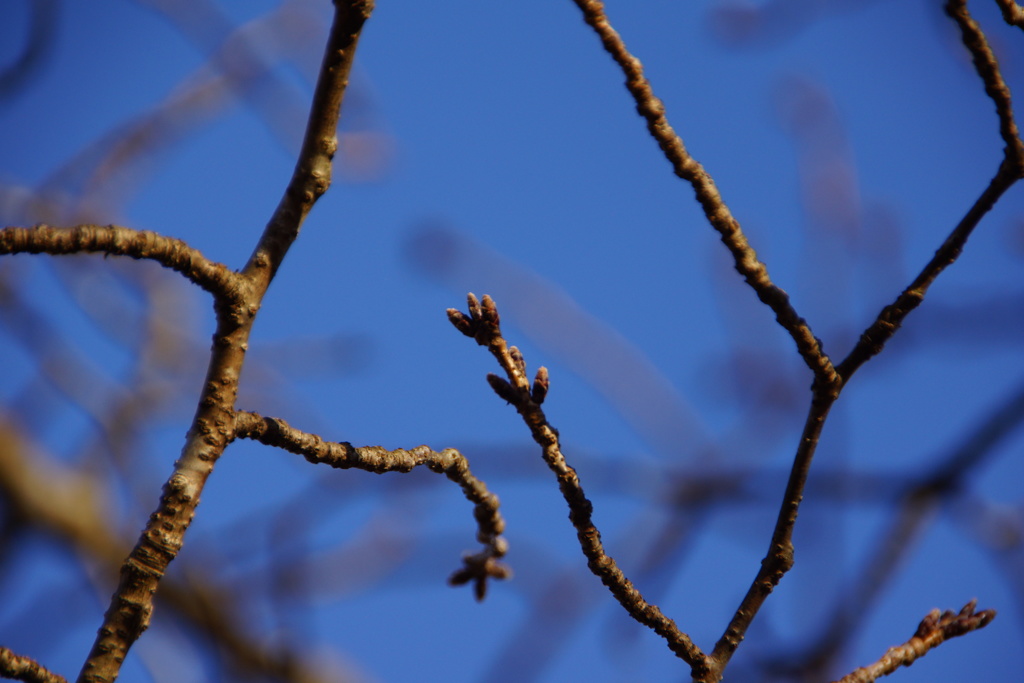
[489,312]
[474,306]
[503,389]
[462,323]
[540,386]
[517,358]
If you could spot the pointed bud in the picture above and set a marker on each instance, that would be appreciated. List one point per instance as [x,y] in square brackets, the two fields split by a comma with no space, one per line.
[540,386]
[474,306]
[503,389]
[489,312]
[461,322]
[517,358]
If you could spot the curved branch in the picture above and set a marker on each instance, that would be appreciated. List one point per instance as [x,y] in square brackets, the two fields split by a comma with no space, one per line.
[116,240]
[477,568]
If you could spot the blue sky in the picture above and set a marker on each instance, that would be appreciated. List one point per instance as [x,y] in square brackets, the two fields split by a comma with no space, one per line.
[505,157]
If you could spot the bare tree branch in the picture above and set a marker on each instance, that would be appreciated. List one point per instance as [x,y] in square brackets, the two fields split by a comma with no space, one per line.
[1010,171]
[312,175]
[484,325]
[211,431]
[715,209]
[24,669]
[934,629]
[116,240]
[478,567]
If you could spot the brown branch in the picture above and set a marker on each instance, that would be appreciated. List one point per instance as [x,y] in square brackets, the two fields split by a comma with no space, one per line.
[779,558]
[22,668]
[987,66]
[934,629]
[212,427]
[484,325]
[717,212]
[477,568]
[70,504]
[312,174]
[1013,13]
[1010,171]
[115,240]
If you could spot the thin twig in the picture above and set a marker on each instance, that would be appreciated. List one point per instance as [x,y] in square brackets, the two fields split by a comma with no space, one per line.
[917,504]
[24,669]
[116,240]
[1010,171]
[934,629]
[478,567]
[484,325]
[717,212]
[779,558]
[312,174]
[987,66]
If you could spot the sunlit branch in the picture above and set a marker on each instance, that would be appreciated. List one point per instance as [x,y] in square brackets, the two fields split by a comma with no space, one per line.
[934,629]
[1013,13]
[484,325]
[312,174]
[478,567]
[717,212]
[24,669]
[212,427]
[115,240]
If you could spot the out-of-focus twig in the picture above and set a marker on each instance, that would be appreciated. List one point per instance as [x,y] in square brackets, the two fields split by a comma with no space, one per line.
[40,44]
[70,504]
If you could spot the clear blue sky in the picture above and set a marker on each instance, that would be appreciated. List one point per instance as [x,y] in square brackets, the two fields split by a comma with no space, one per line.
[505,157]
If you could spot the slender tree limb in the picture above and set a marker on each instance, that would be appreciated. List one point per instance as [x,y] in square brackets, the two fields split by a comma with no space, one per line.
[918,501]
[115,240]
[484,325]
[652,109]
[874,338]
[779,558]
[478,567]
[987,66]
[22,668]
[312,174]
[935,629]
[212,427]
